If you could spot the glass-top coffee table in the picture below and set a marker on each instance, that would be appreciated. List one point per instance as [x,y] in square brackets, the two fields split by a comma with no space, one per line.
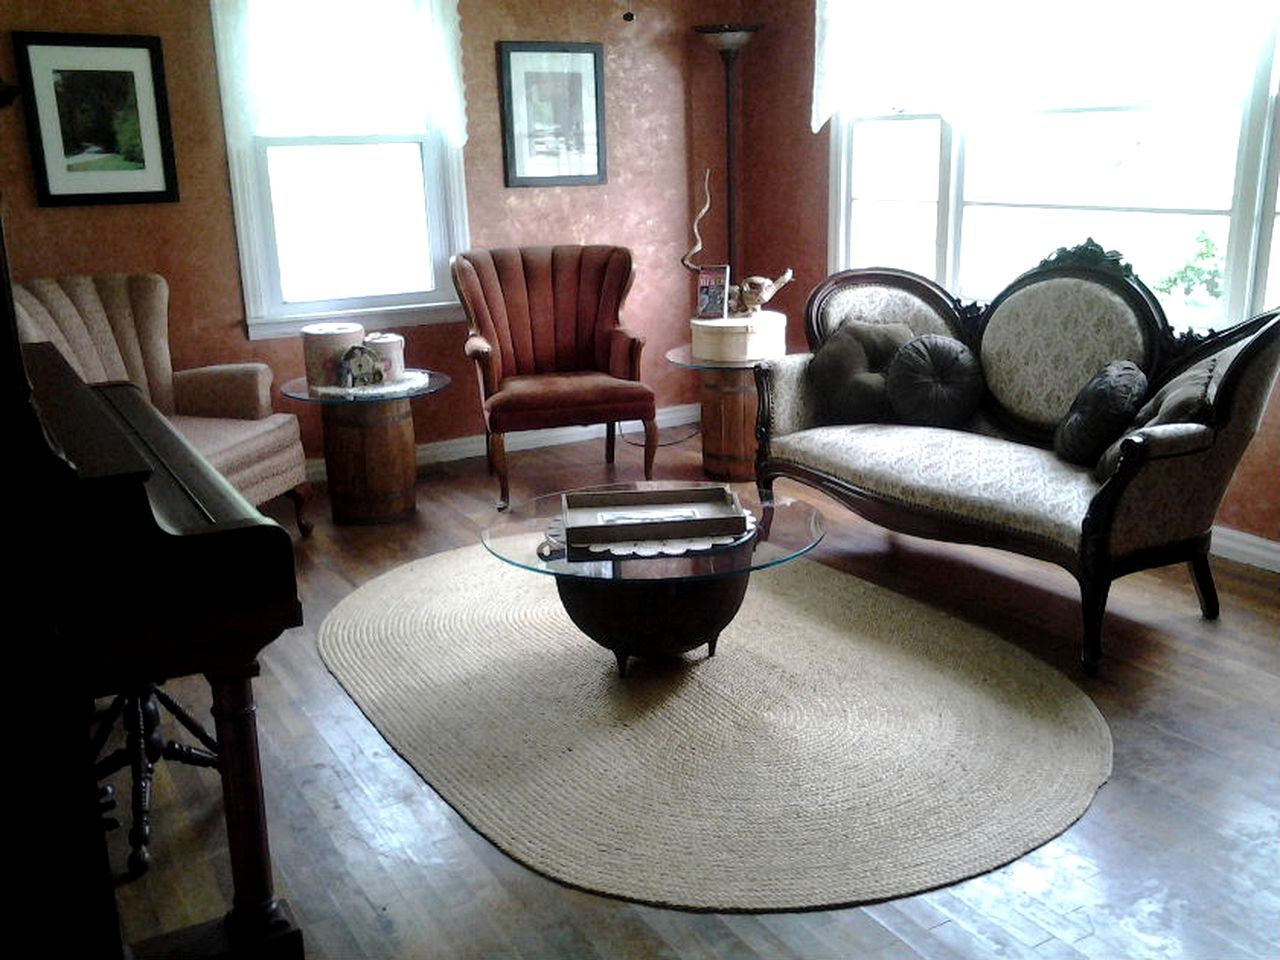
[667,602]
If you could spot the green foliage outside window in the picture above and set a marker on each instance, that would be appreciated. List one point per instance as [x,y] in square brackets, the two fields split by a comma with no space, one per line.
[1202,273]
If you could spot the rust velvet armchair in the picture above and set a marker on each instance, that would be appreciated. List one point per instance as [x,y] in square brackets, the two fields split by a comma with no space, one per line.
[548,347]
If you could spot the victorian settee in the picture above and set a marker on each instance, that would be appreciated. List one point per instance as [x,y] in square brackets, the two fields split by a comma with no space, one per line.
[116,327]
[1075,343]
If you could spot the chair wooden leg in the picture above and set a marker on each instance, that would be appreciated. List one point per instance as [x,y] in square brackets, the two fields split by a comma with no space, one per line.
[1202,576]
[650,446]
[488,451]
[610,435]
[498,452]
[300,496]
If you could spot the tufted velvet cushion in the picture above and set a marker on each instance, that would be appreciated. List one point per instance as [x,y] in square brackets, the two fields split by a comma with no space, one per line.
[1102,410]
[935,380]
[1184,399]
[847,372]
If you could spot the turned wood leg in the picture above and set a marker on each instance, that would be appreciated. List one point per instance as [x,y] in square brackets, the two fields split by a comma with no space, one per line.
[488,451]
[300,496]
[1202,577]
[610,435]
[498,450]
[1093,606]
[255,911]
[142,723]
[650,446]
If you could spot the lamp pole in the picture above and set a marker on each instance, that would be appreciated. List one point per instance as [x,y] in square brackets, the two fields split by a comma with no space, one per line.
[729,39]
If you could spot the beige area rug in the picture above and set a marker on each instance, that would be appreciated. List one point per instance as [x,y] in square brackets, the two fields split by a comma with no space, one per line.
[844,745]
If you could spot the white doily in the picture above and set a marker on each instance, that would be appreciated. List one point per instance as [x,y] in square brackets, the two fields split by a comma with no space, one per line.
[412,380]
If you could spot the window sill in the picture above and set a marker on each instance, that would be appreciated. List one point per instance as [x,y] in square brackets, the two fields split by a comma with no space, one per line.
[378,318]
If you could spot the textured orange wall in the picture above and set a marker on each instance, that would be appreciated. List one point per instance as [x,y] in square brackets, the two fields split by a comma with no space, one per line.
[664,116]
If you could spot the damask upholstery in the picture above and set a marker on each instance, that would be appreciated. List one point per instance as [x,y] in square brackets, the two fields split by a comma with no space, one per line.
[116,327]
[549,350]
[1041,344]
[1150,500]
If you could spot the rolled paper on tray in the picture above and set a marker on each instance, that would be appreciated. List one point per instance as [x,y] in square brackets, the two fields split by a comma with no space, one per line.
[323,345]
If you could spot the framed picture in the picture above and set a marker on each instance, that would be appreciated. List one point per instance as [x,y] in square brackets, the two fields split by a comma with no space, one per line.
[552,113]
[713,292]
[97,118]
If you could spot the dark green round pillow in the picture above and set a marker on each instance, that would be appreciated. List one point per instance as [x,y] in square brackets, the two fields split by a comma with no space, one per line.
[1101,411]
[935,381]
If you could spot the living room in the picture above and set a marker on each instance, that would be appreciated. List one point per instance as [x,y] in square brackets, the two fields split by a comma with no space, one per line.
[665,116]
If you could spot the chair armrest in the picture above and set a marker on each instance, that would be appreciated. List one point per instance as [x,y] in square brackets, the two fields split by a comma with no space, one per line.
[237,391]
[786,399]
[478,349]
[624,353]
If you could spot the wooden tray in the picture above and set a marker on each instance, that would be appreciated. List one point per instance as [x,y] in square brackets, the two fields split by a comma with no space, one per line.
[610,516]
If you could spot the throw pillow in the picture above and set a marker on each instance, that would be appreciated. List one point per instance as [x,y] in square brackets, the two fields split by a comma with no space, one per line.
[1184,399]
[935,381]
[1101,411]
[847,372]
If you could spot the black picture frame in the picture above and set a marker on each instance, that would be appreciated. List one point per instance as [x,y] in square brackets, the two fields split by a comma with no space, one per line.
[97,113]
[553,123]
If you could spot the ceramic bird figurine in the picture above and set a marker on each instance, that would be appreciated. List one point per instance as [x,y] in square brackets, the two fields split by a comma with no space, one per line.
[755,292]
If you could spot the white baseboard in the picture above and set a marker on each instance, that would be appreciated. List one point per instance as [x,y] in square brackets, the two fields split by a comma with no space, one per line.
[462,448]
[1246,548]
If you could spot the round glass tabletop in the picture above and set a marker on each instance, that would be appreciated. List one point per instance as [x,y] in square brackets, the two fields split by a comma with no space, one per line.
[531,535]
[416,383]
[682,356]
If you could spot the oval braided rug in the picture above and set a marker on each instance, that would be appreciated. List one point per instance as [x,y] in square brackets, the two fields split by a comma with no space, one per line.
[844,745]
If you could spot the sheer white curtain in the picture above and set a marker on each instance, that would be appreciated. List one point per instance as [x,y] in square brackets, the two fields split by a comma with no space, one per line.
[298,68]
[981,56]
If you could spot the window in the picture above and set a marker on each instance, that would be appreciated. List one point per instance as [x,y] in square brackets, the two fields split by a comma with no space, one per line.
[344,134]
[969,176]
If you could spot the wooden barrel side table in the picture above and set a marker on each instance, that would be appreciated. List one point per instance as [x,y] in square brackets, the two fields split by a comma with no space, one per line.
[729,412]
[370,457]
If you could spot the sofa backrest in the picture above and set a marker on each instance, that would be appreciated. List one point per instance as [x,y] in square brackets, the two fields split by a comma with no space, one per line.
[1046,334]
[113,327]
[880,295]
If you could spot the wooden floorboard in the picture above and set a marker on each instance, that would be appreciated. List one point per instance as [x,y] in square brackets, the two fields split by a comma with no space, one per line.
[1177,857]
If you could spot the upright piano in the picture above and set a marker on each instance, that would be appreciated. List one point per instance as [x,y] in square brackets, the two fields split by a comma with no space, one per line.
[137,563]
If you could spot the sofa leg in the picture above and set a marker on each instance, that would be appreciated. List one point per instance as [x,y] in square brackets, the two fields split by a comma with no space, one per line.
[1202,577]
[610,435]
[498,457]
[300,496]
[1093,606]
[650,446]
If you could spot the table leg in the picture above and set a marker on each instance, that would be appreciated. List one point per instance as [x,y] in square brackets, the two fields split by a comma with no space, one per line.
[370,461]
[729,424]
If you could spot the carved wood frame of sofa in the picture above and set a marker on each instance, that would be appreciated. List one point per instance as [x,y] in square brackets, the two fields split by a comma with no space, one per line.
[1039,341]
[116,327]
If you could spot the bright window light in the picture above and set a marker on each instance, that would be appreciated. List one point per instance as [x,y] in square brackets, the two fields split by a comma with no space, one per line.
[350,220]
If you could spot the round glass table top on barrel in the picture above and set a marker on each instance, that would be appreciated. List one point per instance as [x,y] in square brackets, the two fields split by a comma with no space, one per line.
[415,383]
[662,595]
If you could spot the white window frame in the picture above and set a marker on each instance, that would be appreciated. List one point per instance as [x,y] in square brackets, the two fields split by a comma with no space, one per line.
[1252,212]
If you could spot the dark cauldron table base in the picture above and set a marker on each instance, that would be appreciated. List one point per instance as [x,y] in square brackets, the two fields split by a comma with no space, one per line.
[664,605]
[647,618]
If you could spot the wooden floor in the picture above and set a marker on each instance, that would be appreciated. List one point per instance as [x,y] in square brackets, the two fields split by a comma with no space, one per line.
[1177,857]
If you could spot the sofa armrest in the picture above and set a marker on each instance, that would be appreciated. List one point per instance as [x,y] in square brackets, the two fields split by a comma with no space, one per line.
[236,391]
[624,353]
[1165,440]
[787,403]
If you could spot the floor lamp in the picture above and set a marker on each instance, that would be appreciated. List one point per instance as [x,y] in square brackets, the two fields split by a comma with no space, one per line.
[729,39]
